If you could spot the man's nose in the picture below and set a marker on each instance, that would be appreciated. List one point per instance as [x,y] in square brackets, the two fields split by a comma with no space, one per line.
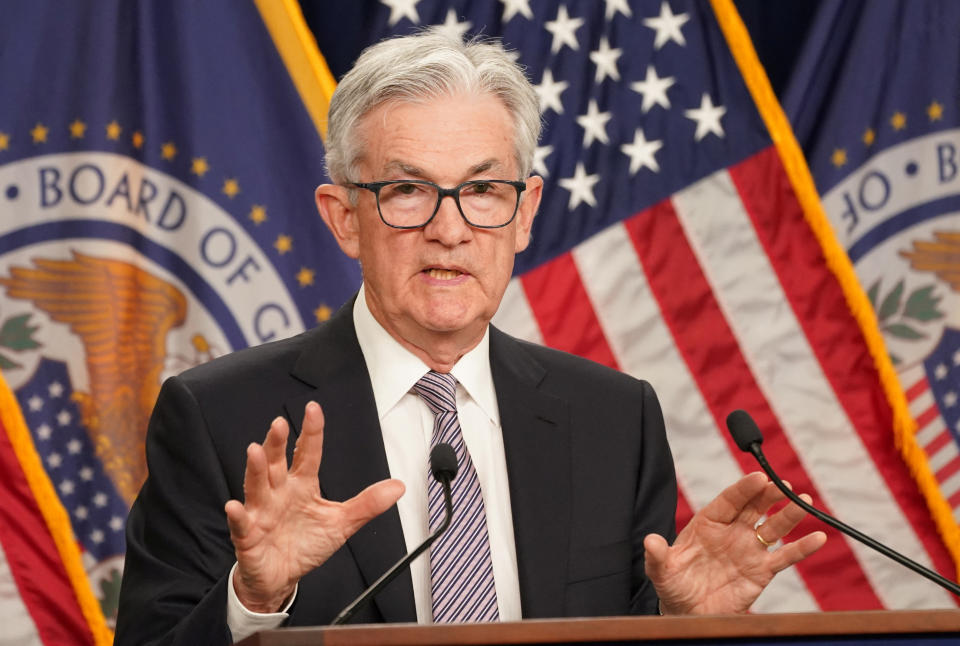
[448,226]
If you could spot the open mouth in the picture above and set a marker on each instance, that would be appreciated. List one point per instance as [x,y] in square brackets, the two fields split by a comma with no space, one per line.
[442,274]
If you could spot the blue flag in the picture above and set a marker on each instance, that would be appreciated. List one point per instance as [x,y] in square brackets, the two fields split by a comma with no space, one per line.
[156,171]
[875,103]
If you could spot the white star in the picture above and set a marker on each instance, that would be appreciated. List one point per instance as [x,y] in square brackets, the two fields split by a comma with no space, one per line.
[513,7]
[63,418]
[74,446]
[956,358]
[66,487]
[667,26]
[641,153]
[402,9]
[81,512]
[707,117]
[116,523]
[606,61]
[564,30]
[44,432]
[55,389]
[594,124]
[540,159]
[549,92]
[614,6]
[580,187]
[35,403]
[86,474]
[941,371]
[950,399]
[453,27]
[100,499]
[54,460]
[654,89]
[96,536]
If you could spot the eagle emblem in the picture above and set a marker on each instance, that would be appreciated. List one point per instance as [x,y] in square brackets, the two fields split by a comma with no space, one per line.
[940,256]
[122,315]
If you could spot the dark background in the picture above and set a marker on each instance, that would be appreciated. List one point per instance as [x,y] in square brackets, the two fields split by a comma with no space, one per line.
[777,27]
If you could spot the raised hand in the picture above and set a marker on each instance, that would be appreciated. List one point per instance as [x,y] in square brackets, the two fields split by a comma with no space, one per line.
[717,565]
[285,528]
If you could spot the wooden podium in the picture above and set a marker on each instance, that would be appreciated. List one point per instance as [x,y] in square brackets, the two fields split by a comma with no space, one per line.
[938,627]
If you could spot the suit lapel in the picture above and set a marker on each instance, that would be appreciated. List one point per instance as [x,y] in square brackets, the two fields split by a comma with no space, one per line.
[353,452]
[536,438]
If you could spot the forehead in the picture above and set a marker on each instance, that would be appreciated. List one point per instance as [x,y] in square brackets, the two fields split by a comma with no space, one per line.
[441,137]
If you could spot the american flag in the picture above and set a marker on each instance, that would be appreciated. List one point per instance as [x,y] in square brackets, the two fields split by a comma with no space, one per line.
[672,244]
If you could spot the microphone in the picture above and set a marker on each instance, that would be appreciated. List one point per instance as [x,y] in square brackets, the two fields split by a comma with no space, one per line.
[748,438]
[443,466]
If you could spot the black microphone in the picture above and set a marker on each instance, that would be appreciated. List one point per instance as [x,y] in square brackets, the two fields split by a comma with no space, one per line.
[443,466]
[747,436]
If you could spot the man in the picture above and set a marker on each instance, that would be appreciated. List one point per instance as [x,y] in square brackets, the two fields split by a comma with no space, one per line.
[566,494]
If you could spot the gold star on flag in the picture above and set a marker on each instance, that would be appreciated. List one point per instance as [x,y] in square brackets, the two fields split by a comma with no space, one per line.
[935,111]
[78,129]
[305,276]
[4,141]
[113,130]
[137,139]
[839,157]
[283,244]
[39,133]
[258,214]
[199,167]
[168,151]
[322,313]
[231,187]
[898,120]
[869,137]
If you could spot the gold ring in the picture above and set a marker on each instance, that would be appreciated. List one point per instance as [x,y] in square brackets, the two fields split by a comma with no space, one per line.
[760,538]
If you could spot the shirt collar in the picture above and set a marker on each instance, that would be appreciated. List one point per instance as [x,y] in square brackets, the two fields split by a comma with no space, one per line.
[394,370]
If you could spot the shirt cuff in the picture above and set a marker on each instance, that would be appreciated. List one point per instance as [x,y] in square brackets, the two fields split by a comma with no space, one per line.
[242,622]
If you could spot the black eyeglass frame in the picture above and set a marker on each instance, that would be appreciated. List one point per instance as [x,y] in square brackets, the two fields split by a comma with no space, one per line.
[375,188]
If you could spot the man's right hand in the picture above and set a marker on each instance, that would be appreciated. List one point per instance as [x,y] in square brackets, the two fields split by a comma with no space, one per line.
[285,528]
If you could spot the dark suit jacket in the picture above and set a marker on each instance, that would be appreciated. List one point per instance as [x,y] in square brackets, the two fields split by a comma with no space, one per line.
[589,469]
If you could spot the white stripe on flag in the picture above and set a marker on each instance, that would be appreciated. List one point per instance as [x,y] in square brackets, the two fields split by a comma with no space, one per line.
[643,346]
[941,458]
[515,316]
[18,627]
[787,371]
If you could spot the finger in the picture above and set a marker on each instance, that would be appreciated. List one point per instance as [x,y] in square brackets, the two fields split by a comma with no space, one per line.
[796,551]
[370,503]
[762,502]
[726,507]
[275,449]
[256,482]
[238,520]
[309,448]
[655,549]
[782,523]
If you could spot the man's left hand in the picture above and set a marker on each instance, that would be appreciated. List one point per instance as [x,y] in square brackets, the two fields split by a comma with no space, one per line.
[717,565]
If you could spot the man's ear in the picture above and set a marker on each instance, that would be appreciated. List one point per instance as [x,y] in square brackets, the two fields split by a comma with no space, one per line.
[529,202]
[340,216]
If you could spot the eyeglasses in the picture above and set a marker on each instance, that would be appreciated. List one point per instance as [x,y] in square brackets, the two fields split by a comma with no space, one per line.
[411,203]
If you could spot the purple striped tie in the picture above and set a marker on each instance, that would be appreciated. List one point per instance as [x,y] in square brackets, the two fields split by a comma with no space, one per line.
[461,573]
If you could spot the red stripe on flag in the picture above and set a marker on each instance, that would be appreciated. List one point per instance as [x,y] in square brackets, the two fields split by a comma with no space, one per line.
[836,338]
[927,416]
[917,389]
[684,510]
[34,560]
[948,470]
[938,443]
[954,500]
[713,355]
[563,310]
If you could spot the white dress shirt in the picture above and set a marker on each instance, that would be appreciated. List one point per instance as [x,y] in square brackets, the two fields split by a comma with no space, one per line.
[407,426]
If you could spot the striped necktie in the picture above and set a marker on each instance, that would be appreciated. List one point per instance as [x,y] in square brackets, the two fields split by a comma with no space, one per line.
[461,572]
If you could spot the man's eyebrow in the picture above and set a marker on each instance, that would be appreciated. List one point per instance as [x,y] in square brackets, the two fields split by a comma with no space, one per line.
[416,171]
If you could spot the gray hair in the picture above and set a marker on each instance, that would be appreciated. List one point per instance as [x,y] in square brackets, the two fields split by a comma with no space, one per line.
[421,66]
